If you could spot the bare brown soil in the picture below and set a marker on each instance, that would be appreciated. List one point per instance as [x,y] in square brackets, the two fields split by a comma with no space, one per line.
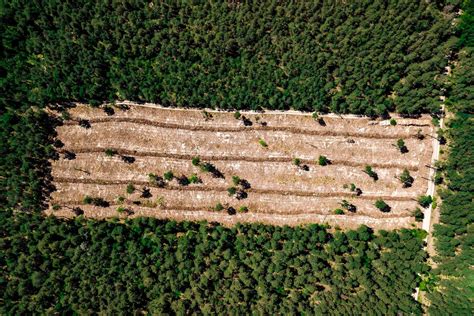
[281,193]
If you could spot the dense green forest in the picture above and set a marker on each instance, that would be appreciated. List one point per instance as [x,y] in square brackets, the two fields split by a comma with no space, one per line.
[452,286]
[82,266]
[366,57]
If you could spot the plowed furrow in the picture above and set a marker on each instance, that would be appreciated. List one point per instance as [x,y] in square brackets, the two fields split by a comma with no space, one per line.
[202,188]
[236,129]
[238,158]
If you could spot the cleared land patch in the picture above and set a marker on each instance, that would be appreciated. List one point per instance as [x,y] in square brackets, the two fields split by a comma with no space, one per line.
[276,157]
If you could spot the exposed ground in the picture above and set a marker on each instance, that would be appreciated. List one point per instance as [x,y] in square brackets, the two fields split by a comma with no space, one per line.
[281,193]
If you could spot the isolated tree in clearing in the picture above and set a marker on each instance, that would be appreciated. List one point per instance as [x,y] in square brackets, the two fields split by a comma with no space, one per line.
[406,179]
[401,146]
[323,161]
[368,170]
[382,206]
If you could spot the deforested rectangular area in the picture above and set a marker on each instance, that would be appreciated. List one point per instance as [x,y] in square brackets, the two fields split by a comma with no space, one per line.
[281,168]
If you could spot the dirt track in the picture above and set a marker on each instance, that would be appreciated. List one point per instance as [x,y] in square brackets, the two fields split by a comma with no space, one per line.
[280,193]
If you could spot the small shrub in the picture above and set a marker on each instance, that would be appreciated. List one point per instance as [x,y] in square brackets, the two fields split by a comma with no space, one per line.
[323,161]
[262,143]
[156,180]
[206,115]
[231,191]
[87,200]
[393,122]
[109,110]
[244,184]
[128,159]
[382,206]
[96,201]
[120,209]
[84,123]
[438,178]
[77,211]
[406,179]
[297,162]
[368,170]
[237,115]
[235,180]
[120,199]
[243,209]
[240,195]
[183,180]
[218,207]
[419,135]
[418,214]
[246,121]
[110,152]
[69,155]
[338,211]
[168,175]
[196,161]
[65,115]
[231,210]
[353,187]
[130,188]
[194,179]
[401,146]
[318,119]
[146,193]
[345,186]
[425,200]
[58,143]
[56,207]
[348,206]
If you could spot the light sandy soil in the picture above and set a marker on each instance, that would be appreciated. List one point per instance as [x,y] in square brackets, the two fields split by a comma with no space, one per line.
[280,193]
